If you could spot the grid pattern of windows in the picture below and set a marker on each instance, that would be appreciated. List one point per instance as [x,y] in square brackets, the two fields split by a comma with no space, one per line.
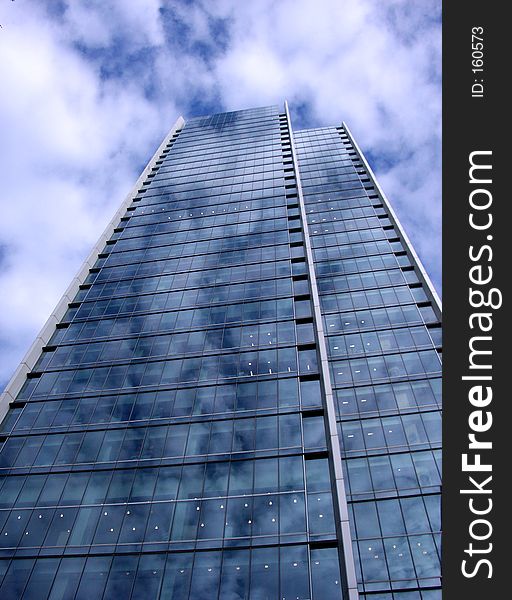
[172,439]
[383,343]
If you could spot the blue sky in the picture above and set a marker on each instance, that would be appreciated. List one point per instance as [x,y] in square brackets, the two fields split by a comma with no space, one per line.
[90,87]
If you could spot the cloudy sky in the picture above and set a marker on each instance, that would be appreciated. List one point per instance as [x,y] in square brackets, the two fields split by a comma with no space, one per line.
[90,87]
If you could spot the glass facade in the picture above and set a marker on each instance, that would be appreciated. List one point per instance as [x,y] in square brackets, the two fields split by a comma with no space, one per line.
[174,437]
[383,342]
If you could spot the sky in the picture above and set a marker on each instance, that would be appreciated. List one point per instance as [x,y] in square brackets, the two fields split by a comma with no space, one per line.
[89,88]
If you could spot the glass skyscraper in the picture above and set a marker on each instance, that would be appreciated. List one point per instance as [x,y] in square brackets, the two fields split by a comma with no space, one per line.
[239,394]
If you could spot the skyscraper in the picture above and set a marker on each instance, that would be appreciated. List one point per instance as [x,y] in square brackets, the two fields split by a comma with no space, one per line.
[239,394]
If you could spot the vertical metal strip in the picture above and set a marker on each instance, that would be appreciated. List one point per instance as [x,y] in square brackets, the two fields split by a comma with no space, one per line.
[333,441]
[424,278]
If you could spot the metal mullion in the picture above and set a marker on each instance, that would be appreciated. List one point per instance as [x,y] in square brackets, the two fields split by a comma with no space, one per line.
[340,499]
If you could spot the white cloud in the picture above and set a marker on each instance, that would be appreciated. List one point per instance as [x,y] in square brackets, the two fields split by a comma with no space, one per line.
[90,87]
[71,144]
[97,24]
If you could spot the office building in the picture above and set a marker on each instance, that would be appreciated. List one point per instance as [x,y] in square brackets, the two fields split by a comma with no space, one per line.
[239,394]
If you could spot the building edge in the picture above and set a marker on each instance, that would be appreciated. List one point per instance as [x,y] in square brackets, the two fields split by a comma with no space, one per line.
[343,523]
[29,360]
[409,248]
